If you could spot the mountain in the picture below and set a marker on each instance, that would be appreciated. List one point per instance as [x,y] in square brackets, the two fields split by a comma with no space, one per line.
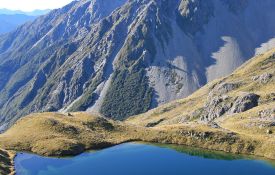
[234,114]
[246,95]
[16,12]
[10,22]
[126,57]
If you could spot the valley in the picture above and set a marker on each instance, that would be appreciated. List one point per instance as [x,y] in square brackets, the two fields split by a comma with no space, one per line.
[178,74]
[247,128]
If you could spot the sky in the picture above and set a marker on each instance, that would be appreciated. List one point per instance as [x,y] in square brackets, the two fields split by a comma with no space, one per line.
[30,5]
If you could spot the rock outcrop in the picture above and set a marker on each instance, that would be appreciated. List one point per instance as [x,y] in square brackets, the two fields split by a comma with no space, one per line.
[216,106]
[264,78]
[245,102]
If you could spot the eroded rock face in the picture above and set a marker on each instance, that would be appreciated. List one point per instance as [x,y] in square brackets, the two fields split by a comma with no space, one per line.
[245,102]
[194,14]
[264,78]
[217,106]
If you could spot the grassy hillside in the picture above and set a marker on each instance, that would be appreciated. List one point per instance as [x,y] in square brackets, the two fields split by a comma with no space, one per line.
[55,134]
[233,114]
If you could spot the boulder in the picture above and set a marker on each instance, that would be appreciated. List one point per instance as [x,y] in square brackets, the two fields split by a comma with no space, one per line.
[268,131]
[215,107]
[152,124]
[213,125]
[245,102]
[223,88]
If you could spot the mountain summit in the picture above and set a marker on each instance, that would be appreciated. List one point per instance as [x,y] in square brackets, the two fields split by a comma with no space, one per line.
[121,58]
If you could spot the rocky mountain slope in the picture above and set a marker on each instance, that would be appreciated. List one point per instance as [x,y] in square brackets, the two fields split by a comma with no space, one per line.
[233,114]
[242,103]
[251,86]
[125,57]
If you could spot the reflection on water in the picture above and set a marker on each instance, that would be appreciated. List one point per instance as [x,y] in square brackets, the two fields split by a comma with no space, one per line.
[144,159]
[210,154]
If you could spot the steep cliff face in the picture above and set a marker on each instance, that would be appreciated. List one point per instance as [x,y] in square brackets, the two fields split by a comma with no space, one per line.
[125,57]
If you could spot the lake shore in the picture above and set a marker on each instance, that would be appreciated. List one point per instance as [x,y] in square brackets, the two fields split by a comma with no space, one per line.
[198,152]
[145,159]
[57,135]
[7,162]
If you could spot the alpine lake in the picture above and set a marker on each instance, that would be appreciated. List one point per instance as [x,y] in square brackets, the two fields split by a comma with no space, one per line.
[145,159]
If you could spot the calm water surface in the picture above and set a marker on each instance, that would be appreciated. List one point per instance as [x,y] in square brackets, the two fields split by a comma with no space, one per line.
[144,159]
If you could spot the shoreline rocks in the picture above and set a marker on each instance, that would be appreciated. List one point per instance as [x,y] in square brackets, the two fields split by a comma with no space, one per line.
[6,162]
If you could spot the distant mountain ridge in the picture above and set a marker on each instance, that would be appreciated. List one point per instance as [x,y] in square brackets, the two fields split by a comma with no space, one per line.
[126,57]
[32,13]
[11,19]
[10,22]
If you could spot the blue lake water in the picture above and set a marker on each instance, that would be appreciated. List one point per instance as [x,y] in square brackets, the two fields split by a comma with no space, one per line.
[144,159]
